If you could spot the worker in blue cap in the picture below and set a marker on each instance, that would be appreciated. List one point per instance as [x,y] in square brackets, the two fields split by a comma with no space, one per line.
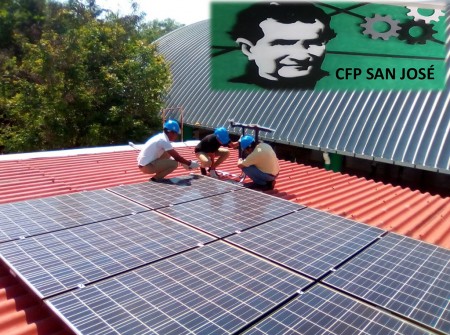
[159,157]
[260,163]
[211,152]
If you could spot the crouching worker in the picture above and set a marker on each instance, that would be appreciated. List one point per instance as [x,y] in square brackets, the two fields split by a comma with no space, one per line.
[260,164]
[210,152]
[159,157]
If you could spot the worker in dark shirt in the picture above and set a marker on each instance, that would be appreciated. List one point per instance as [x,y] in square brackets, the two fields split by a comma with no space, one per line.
[211,147]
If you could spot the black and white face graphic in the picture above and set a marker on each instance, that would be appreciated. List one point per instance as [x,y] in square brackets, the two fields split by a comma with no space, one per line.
[287,50]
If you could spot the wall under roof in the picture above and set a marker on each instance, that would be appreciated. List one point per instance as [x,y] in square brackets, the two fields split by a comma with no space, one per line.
[404,128]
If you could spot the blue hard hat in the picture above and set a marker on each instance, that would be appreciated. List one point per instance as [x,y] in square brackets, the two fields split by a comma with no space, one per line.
[172,125]
[222,135]
[246,141]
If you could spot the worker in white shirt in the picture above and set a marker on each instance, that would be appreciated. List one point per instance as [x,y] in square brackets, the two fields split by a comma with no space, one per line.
[158,155]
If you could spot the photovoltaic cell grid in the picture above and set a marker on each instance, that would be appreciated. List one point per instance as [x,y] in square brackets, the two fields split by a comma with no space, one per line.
[59,261]
[404,275]
[215,289]
[226,213]
[324,311]
[309,241]
[32,217]
[157,195]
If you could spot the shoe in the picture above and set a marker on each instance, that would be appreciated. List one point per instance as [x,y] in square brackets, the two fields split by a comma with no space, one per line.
[254,186]
[162,180]
[203,171]
[213,174]
[270,185]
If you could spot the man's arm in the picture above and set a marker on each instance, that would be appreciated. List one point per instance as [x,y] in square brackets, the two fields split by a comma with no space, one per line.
[233,145]
[178,157]
[251,159]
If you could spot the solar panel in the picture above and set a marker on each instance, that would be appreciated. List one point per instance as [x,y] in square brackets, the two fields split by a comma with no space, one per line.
[177,190]
[44,215]
[324,311]
[404,275]
[211,290]
[59,261]
[223,214]
[309,241]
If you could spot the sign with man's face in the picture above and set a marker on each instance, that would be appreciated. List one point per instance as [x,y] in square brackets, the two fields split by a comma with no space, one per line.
[288,45]
[287,50]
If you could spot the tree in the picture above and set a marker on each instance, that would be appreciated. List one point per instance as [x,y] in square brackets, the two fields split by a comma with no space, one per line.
[87,81]
[154,29]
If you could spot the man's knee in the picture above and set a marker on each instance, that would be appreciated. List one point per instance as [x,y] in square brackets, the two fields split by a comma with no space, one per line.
[205,161]
[147,169]
[173,164]
[223,152]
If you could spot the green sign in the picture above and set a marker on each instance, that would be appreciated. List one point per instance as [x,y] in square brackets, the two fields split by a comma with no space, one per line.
[327,46]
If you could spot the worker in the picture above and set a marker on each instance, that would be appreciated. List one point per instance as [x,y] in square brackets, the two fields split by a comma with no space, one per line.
[211,147]
[159,157]
[260,163]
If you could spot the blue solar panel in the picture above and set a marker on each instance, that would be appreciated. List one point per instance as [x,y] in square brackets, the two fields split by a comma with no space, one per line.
[324,311]
[107,264]
[215,289]
[177,190]
[59,261]
[404,275]
[33,217]
[309,241]
[224,214]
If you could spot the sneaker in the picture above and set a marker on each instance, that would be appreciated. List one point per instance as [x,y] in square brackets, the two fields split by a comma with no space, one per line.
[254,186]
[270,185]
[266,187]
[213,174]
[162,180]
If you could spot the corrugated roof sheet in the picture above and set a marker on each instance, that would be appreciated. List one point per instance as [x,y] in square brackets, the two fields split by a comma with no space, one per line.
[404,128]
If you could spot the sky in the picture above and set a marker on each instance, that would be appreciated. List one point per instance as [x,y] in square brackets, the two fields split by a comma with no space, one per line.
[182,11]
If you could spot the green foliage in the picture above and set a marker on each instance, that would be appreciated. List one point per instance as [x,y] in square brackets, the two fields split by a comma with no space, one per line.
[155,29]
[90,79]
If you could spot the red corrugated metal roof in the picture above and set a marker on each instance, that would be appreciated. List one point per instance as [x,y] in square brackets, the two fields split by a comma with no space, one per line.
[412,213]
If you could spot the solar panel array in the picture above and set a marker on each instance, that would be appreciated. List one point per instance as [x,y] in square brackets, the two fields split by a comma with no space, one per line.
[215,289]
[199,255]
[176,191]
[63,260]
[309,241]
[324,311]
[225,214]
[406,276]
[33,217]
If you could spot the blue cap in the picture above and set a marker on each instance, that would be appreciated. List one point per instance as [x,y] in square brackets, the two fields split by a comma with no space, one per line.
[222,135]
[172,125]
[246,141]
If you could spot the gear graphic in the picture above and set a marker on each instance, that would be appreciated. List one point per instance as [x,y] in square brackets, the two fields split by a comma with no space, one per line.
[369,23]
[427,32]
[414,12]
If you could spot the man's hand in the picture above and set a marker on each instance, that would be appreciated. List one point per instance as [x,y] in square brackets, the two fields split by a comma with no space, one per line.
[194,165]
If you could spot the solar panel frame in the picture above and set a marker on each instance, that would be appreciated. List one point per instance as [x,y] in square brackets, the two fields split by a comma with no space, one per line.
[224,214]
[321,310]
[214,289]
[155,195]
[406,276]
[308,241]
[39,216]
[60,261]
